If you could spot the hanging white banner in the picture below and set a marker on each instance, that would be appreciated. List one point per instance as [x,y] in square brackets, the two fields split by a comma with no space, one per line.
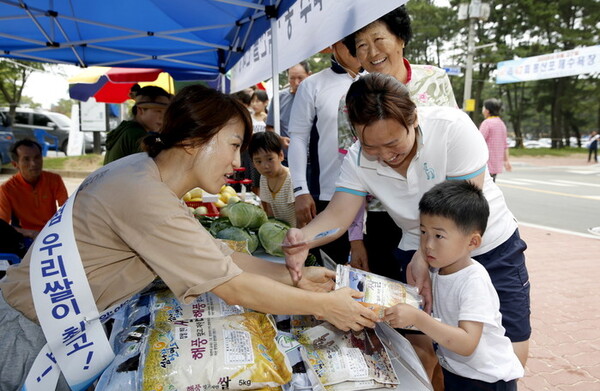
[308,27]
[548,66]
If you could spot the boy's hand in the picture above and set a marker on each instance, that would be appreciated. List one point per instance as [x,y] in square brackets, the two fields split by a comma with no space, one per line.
[401,316]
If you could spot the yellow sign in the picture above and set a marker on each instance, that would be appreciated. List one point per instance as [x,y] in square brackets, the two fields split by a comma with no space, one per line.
[470,105]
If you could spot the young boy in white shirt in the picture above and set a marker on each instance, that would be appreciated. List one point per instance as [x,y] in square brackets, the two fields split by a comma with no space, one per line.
[473,351]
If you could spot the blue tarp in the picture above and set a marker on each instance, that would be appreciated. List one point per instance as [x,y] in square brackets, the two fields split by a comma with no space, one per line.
[191,39]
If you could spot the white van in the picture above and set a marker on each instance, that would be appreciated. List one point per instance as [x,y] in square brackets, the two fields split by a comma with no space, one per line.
[56,124]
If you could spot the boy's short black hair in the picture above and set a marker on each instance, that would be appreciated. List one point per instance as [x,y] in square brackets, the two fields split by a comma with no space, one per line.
[14,155]
[265,141]
[460,201]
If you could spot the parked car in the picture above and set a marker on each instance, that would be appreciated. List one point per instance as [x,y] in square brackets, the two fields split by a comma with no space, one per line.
[7,139]
[56,124]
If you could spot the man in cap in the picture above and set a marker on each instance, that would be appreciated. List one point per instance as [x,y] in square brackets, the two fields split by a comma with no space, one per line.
[148,111]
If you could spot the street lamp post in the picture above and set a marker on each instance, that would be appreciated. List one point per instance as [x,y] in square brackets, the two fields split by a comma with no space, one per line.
[475,10]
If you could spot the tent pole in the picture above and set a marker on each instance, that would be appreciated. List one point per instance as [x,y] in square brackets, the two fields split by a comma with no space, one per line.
[274,68]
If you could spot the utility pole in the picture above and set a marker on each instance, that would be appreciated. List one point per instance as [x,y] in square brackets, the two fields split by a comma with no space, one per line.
[474,11]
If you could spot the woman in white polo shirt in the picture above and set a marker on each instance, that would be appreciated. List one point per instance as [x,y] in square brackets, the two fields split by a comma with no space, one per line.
[401,153]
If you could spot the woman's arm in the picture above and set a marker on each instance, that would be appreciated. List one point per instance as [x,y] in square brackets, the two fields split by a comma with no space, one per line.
[507,165]
[260,293]
[339,213]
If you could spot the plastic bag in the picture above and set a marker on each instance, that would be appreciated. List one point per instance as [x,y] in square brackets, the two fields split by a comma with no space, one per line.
[348,360]
[380,292]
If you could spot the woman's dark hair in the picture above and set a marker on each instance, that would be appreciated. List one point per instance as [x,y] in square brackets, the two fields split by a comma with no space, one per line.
[265,141]
[261,95]
[397,21]
[460,201]
[494,106]
[194,116]
[376,97]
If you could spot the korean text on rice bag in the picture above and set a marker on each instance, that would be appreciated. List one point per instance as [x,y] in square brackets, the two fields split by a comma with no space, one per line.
[236,352]
[380,292]
[167,308]
[348,360]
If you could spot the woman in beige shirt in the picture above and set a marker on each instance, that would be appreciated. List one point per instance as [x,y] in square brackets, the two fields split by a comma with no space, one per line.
[130,227]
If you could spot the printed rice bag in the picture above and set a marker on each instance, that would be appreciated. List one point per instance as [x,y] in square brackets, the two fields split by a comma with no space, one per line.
[167,308]
[380,292]
[348,360]
[236,352]
[303,376]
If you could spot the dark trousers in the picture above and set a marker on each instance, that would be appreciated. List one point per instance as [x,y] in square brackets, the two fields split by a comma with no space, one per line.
[595,152]
[381,242]
[11,241]
[454,382]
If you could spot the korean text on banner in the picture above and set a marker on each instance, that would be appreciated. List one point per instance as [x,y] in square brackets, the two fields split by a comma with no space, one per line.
[548,66]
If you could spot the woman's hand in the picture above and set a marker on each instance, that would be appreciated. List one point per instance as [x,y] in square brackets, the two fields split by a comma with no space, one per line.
[358,255]
[345,313]
[317,279]
[417,274]
[295,254]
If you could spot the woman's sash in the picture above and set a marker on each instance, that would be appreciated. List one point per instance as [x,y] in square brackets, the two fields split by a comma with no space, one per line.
[76,345]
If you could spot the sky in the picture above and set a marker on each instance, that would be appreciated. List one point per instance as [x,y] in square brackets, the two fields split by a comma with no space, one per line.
[47,88]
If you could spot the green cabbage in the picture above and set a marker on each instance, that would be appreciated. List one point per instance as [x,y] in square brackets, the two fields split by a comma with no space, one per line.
[240,235]
[281,222]
[218,225]
[245,215]
[271,236]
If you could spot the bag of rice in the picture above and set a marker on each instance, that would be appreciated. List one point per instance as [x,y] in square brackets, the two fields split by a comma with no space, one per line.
[167,308]
[303,376]
[348,360]
[380,292]
[236,352]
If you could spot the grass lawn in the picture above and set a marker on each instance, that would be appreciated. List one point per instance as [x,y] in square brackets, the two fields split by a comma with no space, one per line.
[92,161]
[540,152]
[71,163]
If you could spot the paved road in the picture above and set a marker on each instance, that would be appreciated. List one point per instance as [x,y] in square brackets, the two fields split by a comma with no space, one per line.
[562,197]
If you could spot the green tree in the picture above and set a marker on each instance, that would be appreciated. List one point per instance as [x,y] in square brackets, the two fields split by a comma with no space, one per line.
[63,106]
[13,76]
[432,26]
[526,28]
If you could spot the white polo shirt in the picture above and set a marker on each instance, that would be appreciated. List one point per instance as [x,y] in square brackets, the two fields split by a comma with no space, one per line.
[450,147]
